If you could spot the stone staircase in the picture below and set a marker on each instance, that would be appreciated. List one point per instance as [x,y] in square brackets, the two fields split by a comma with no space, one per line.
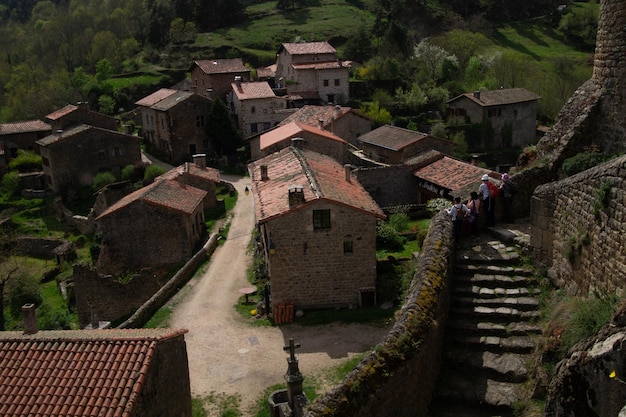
[489,335]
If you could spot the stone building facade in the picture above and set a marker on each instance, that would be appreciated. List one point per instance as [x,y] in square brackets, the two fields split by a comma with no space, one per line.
[80,113]
[212,78]
[73,157]
[21,136]
[174,123]
[318,230]
[256,106]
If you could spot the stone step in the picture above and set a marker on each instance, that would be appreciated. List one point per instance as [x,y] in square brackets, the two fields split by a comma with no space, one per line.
[484,292]
[467,325]
[519,303]
[512,344]
[495,314]
[504,367]
[456,386]
[471,269]
[494,281]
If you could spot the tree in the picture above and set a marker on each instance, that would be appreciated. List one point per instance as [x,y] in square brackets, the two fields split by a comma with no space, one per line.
[222,130]
[379,115]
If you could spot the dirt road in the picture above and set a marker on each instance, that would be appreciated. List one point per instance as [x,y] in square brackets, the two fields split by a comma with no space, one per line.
[226,355]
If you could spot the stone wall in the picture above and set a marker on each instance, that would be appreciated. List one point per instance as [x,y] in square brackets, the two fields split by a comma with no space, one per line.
[37,247]
[398,377]
[389,186]
[579,235]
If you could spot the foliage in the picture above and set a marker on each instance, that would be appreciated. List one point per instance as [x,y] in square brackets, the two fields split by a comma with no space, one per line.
[23,290]
[581,162]
[25,161]
[218,404]
[603,198]
[580,25]
[435,205]
[222,129]
[379,115]
[101,179]
[151,172]
[387,237]
[399,221]
[11,183]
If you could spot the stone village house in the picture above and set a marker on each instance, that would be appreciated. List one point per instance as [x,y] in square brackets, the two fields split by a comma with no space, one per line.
[81,113]
[303,136]
[256,106]
[196,174]
[21,136]
[311,69]
[212,78]
[317,227]
[73,157]
[393,145]
[173,122]
[345,122]
[75,373]
[511,113]
[156,226]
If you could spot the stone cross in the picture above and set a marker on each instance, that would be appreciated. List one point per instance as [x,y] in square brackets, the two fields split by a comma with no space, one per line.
[292,349]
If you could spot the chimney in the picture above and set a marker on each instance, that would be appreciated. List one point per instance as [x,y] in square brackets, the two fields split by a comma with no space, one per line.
[297,142]
[296,195]
[348,171]
[199,160]
[30,319]
[264,176]
[477,94]
[186,168]
[321,123]
[238,83]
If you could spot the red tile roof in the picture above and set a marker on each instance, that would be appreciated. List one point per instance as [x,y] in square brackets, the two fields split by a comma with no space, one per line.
[61,112]
[252,90]
[499,97]
[292,130]
[305,48]
[24,127]
[76,373]
[392,137]
[312,115]
[165,193]
[155,97]
[266,72]
[209,174]
[221,66]
[320,176]
[453,174]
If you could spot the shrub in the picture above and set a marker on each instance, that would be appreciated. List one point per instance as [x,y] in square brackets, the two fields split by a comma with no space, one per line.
[101,179]
[11,183]
[152,171]
[400,222]
[23,290]
[387,237]
[581,162]
[25,161]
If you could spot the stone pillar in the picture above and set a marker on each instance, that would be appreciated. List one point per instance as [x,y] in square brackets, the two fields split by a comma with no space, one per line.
[294,378]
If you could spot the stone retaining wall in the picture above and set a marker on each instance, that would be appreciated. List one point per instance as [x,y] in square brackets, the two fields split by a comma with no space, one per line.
[398,377]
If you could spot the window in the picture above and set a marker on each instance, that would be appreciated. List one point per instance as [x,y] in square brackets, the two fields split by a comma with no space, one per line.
[325,83]
[101,155]
[117,151]
[252,109]
[321,219]
[199,121]
[253,128]
[45,161]
[347,247]
[266,126]
[264,111]
[336,82]
[494,112]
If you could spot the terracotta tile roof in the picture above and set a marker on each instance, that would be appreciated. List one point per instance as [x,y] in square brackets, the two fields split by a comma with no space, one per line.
[320,176]
[61,112]
[392,137]
[209,174]
[303,95]
[76,373]
[24,127]
[317,65]
[305,48]
[155,97]
[312,115]
[500,97]
[292,130]
[453,174]
[221,66]
[266,72]
[252,90]
[165,193]
[172,100]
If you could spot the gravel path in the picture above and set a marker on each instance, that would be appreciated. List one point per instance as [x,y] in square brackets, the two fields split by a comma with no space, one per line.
[228,356]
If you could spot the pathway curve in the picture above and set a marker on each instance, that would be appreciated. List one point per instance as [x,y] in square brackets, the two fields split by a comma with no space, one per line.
[228,356]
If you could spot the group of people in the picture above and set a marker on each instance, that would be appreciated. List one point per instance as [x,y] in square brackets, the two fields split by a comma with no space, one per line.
[466,215]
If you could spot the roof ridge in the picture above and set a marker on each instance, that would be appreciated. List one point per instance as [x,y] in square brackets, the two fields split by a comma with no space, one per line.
[308,172]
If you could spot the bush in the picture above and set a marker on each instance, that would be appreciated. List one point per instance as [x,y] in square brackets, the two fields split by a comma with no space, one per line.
[152,171]
[23,290]
[101,179]
[400,222]
[25,161]
[387,237]
[581,162]
[11,183]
